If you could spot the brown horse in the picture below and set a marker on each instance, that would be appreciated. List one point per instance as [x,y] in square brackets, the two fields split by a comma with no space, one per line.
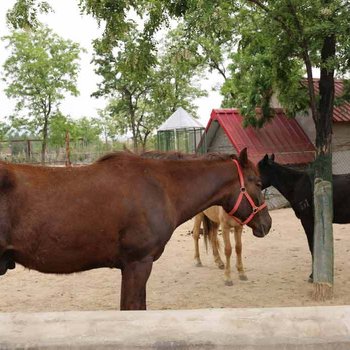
[212,218]
[118,212]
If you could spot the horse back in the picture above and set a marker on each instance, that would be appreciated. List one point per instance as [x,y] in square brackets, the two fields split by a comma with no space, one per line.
[97,211]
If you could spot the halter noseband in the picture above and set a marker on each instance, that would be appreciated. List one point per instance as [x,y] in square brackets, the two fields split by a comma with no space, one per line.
[242,193]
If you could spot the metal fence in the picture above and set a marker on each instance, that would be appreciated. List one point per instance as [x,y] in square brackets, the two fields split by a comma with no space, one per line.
[187,140]
[29,151]
[341,162]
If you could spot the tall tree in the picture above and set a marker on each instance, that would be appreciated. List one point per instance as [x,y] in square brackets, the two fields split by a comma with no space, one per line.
[144,89]
[176,75]
[40,70]
[125,66]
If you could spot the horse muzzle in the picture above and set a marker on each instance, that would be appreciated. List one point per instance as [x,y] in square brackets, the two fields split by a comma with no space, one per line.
[261,230]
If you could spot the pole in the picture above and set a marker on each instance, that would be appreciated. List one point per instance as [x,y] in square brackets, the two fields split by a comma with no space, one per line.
[68,162]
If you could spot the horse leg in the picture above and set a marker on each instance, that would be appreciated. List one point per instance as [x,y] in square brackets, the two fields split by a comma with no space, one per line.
[6,262]
[238,247]
[196,232]
[308,226]
[228,252]
[134,278]
[215,246]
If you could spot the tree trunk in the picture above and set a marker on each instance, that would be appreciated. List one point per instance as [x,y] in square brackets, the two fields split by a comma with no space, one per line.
[134,142]
[323,263]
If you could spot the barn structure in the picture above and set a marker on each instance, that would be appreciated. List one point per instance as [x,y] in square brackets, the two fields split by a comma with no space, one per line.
[282,136]
[341,130]
[180,132]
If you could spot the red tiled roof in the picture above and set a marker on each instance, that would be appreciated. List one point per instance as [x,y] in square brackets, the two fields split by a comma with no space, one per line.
[282,136]
[340,113]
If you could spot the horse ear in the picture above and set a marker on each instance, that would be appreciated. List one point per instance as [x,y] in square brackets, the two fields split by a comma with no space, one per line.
[266,158]
[272,157]
[243,157]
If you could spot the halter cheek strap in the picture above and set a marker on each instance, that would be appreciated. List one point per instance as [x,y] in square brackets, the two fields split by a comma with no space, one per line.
[244,193]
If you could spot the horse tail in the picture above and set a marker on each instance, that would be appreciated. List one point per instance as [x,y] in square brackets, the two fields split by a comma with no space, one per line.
[210,230]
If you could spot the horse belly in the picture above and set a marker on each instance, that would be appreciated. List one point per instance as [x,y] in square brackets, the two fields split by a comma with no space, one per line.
[69,251]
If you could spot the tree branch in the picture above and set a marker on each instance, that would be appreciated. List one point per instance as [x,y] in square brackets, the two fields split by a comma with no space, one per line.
[276,18]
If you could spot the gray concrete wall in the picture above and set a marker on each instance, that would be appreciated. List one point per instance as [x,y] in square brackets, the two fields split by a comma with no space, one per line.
[221,143]
[242,329]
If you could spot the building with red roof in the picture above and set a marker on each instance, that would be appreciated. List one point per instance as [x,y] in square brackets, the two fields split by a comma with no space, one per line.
[290,139]
[282,136]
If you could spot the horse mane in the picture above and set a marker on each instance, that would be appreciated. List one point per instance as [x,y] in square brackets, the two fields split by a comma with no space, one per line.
[115,155]
[159,155]
[172,155]
[175,155]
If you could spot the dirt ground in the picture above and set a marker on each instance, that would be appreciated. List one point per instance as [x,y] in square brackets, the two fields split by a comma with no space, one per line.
[277,267]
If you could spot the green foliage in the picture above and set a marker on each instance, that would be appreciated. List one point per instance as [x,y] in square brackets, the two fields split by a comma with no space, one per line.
[59,125]
[290,35]
[83,129]
[176,77]
[41,69]
[5,130]
[107,125]
[24,14]
[86,129]
[256,74]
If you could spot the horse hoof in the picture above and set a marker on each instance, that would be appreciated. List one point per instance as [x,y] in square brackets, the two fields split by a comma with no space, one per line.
[311,278]
[199,264]
[228,283]
[221,266]
[243,277]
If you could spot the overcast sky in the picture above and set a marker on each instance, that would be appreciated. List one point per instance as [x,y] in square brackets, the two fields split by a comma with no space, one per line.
[67,22]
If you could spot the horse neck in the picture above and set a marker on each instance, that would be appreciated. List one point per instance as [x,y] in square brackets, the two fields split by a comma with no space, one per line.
[199,185]
[284,179]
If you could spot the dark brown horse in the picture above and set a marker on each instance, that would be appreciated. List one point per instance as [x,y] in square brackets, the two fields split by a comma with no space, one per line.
[118,212]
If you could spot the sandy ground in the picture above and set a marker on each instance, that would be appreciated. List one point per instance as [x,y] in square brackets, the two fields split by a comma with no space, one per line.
[277,267]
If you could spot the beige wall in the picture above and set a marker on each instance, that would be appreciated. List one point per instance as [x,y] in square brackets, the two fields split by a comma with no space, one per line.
[340,142]
[341,136]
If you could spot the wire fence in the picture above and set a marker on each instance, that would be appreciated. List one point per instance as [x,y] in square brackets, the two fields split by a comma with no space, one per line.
[79,152]
[341,162]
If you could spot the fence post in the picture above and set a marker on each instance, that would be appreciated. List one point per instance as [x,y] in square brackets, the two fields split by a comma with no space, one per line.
[28,150]
[68,162]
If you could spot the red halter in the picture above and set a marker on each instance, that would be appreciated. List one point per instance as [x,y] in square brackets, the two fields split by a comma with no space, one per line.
[242,193]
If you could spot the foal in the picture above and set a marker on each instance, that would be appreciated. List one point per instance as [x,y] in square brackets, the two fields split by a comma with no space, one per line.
[212,218]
